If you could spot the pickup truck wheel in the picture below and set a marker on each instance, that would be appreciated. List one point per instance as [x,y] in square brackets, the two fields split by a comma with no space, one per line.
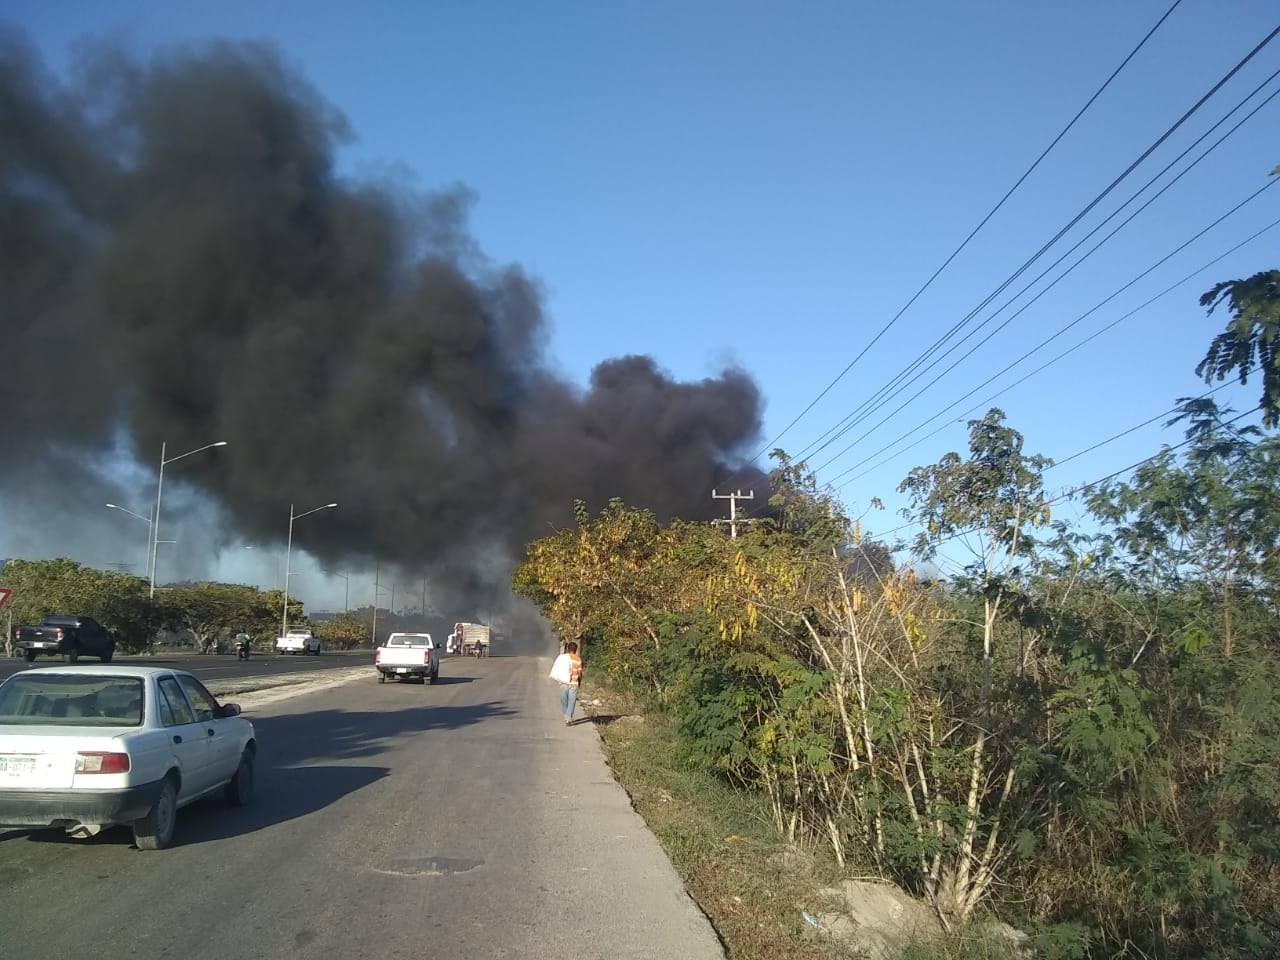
[29,656]
[106,657]
[240,788]
[382,678]
[155,830]
[72,655]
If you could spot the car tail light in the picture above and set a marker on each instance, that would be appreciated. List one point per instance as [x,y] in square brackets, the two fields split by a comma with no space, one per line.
[59,634]
[94,762]
[377,656]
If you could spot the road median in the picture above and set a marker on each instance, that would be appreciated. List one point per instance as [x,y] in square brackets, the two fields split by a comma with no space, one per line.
[258,691]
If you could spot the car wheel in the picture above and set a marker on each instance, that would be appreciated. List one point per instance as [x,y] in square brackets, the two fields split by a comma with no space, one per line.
[72,655]
[106,657]
[155,830]
[240,788]
[29,656]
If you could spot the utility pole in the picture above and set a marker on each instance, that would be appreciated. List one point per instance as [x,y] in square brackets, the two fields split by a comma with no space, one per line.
[733,499]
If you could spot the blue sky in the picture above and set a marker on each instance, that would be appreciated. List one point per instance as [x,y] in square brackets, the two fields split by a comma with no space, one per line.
[768,185]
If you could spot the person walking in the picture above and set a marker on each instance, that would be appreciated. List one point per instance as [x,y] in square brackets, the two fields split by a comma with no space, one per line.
[567,672]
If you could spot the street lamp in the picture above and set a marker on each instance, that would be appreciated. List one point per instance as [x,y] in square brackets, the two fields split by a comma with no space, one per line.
[155,524]
[147,521]
[284,616]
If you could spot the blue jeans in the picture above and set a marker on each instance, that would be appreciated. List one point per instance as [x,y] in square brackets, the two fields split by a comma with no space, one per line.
[568,699]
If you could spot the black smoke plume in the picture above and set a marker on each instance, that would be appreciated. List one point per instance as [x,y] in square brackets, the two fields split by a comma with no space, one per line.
[180,262]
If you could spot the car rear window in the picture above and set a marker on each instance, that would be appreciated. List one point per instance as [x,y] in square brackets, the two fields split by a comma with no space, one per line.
[79,700]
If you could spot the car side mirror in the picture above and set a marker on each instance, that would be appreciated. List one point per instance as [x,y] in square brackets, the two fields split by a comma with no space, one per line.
[230,710]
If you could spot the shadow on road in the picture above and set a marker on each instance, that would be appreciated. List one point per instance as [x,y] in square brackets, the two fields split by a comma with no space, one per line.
[286,787]
[280,795]
[294,738]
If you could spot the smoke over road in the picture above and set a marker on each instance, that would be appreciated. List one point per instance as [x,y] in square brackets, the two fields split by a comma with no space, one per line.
[180,263]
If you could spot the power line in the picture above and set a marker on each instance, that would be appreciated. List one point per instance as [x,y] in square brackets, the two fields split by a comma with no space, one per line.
[1060,332]
[1073,266]
[880,396]
[894,319]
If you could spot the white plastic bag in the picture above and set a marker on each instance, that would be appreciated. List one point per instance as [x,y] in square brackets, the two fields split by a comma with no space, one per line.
[562,669]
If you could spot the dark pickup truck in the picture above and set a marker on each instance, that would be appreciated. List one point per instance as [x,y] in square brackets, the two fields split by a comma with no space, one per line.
[71,637]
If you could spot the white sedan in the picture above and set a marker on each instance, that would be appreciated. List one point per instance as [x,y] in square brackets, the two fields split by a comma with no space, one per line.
[88,747]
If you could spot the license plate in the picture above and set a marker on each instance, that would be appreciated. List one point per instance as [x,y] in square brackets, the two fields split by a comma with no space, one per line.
[17,768]
[402,669]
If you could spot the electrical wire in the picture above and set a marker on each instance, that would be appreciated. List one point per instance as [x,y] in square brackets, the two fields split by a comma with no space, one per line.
[1073,267]
[1055,336]
[955,253]
[879,398]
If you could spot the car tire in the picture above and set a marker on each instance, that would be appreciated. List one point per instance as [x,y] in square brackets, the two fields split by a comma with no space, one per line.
[382,678]
[106,657]
[155,830]
[29,656]
[240,787]
[72,655]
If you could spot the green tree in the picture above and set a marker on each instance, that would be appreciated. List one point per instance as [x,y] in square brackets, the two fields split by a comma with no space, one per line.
[613,575]
[344,632]
[1251,341]
[116,600]
[993,496]
[213,610]
[1211,517]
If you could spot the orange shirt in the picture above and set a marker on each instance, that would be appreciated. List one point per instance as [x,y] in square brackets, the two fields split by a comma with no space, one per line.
[575,669]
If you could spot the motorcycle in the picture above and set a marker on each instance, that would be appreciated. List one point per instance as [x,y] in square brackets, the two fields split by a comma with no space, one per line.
[242,650]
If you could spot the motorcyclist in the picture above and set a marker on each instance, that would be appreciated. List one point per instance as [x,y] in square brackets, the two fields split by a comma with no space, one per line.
[242,644]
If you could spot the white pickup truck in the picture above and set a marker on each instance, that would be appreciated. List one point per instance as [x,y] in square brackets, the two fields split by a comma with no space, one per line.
[298,641]
[406,655]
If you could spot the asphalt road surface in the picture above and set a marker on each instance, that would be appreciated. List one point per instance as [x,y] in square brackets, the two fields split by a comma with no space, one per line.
[458,820]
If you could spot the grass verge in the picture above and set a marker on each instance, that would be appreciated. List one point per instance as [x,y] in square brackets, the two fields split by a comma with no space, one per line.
[752,885]
[721,841]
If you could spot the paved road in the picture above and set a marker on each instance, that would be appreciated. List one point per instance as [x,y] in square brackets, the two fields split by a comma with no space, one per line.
[461,820]
[222,667]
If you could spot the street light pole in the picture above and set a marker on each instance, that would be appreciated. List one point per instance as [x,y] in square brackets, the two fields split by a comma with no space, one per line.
[155,522]
[155,529]
[284,615]
[377,572]
[147,520]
